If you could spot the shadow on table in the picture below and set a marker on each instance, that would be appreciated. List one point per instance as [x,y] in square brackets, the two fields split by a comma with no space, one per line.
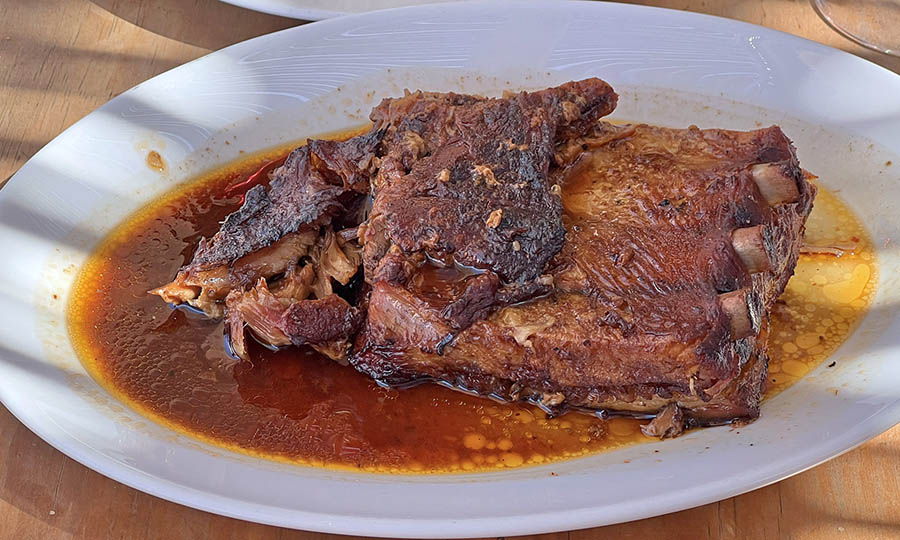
[210,24]
[20,151]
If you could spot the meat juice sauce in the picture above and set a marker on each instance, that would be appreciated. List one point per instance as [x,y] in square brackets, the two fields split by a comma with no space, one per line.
[297,406]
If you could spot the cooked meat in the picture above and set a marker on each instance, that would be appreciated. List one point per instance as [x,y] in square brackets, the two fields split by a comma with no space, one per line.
[316,182]
[480,197]
[324,182]
[276,224]
[668,423]
[677,244]
[520,248]
[325,323]
[284,314]
[205,289]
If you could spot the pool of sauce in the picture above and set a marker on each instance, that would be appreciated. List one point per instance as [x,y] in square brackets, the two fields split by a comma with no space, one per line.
[294,405]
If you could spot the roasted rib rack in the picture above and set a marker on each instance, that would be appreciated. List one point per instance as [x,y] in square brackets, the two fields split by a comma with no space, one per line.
[522,248]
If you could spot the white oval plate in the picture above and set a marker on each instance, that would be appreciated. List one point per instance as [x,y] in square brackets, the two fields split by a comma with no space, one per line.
[316,10]
[670,67]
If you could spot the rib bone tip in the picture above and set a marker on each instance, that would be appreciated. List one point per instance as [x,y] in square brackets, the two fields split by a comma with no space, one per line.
[752,248]
[775,185]
[742,311]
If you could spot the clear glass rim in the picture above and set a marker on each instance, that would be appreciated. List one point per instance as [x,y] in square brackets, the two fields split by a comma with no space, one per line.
[816,4]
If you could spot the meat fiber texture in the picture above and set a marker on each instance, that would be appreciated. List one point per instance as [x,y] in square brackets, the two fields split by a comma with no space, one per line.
[521,248]
[641,313]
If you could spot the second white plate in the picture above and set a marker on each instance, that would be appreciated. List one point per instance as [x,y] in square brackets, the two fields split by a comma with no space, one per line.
[317,10]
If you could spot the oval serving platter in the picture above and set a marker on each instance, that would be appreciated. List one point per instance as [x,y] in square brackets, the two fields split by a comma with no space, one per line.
[316,10]
[670,68]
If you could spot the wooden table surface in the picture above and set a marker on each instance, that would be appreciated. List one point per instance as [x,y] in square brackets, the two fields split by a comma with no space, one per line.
[61,59]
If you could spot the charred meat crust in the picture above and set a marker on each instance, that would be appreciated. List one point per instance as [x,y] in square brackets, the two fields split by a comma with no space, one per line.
[477,188]
[471,188]
[493,263]
[316,182]
[636,319]
[321,183]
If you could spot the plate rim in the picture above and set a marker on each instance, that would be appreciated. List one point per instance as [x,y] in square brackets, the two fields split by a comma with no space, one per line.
[342,524]
[298,13]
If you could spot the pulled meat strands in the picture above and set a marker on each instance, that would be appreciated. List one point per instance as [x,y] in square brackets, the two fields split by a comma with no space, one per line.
[277,321]
[650,261]
[278,227]
[317,182]
[205,289]
[286,315]
[667,424]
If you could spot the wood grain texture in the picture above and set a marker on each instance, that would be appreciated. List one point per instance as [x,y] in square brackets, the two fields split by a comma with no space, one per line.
[61,59]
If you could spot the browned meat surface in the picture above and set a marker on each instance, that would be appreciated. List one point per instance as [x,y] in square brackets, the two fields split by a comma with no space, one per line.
[301,308]
[277,224]
[325,183]
[478,194]
[677,243]
[280,321]
[520,248]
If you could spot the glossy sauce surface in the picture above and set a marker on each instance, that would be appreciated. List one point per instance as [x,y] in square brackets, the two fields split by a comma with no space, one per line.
[297,406]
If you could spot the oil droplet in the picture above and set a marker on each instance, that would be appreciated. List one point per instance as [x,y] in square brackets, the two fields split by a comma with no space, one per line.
[849,290]
[621,427]
[524,416]
[511,459]
[794,368]
[155,161]
[474,441]
[805,341]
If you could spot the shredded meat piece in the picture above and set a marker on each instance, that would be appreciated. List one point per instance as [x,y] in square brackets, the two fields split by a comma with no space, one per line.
[206,289]
[668,423]
[277,321]
[318,183]
[469,250]
[282,314]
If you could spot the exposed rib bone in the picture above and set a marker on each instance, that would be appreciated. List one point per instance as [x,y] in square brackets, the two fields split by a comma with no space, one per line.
[742,307]
[751,247]
[774,182]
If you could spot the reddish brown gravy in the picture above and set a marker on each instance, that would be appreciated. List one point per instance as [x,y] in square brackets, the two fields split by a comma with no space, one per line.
[297,406]
[437,282]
